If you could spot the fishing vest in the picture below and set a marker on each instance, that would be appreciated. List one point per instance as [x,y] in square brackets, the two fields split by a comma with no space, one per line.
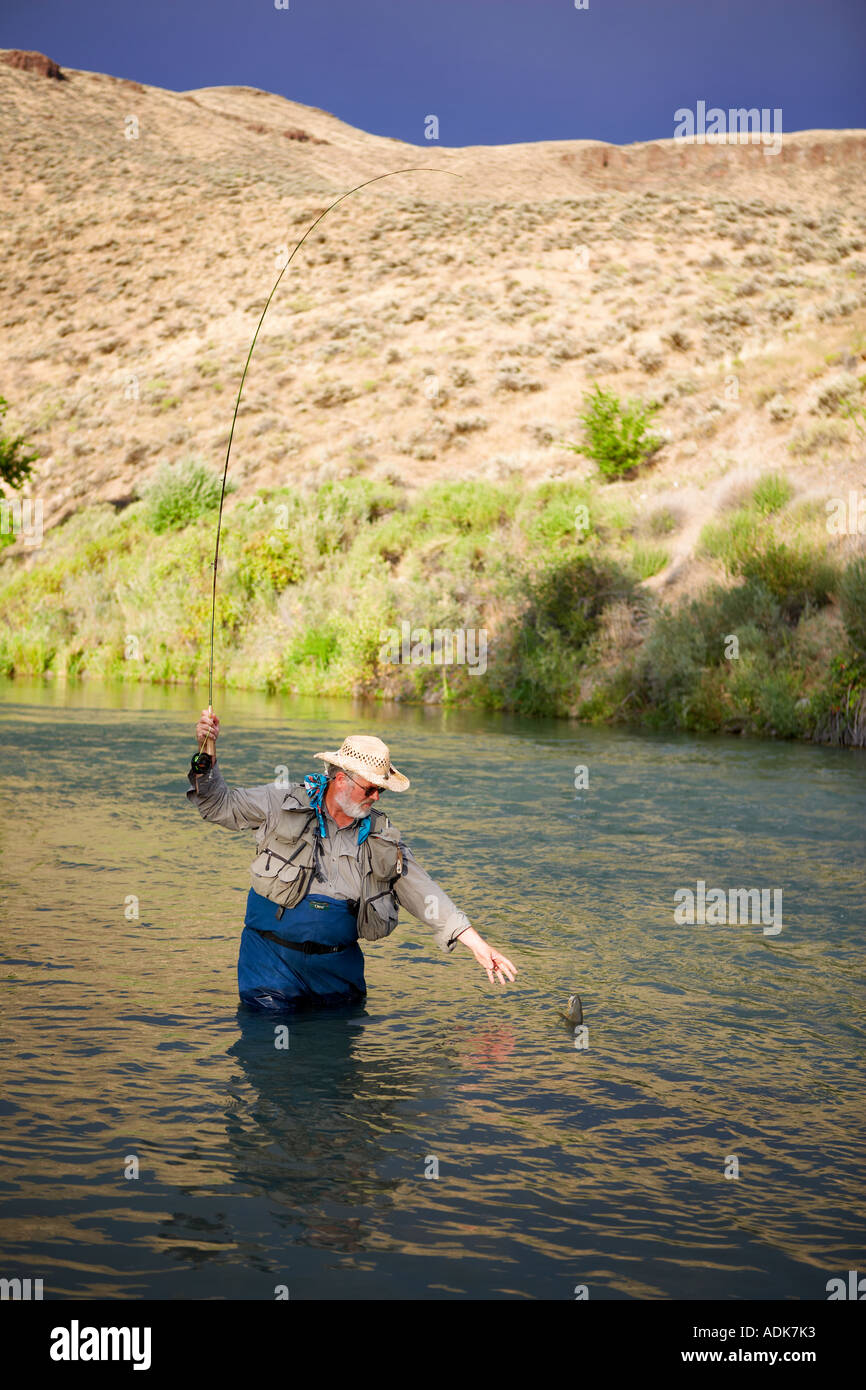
[285,865]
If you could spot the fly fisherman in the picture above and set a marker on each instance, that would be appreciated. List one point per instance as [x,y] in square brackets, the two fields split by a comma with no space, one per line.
[331,868]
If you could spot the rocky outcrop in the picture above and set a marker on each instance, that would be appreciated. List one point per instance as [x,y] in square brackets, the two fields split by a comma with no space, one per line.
[31,62]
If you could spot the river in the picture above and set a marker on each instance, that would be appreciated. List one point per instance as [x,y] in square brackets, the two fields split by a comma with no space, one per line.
[451,1139]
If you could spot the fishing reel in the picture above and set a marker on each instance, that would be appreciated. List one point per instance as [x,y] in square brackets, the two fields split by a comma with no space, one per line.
[201,763]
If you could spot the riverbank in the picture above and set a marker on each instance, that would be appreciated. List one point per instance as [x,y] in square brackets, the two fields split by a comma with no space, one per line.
[538,594]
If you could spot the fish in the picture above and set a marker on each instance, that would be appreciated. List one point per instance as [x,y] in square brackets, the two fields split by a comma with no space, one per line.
[573,1011]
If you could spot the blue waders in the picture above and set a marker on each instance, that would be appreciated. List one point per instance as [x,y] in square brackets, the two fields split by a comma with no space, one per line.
[273,976]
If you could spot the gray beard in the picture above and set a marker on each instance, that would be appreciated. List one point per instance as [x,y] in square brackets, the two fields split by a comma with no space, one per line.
[349,808]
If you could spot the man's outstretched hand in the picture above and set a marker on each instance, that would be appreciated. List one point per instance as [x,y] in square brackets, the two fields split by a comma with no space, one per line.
[498,966]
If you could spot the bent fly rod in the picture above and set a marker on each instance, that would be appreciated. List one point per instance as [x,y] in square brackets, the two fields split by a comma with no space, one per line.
[202,761]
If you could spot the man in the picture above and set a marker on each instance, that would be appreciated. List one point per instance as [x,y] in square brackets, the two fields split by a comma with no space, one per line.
[330,869]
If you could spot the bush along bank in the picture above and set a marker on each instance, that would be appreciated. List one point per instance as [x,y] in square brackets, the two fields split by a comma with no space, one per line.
[470,593]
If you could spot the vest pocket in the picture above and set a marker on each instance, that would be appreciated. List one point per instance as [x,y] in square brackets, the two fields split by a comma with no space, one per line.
[289,872]
[380,916]
[268,865]
[275,879]
[292,825]
[383,857]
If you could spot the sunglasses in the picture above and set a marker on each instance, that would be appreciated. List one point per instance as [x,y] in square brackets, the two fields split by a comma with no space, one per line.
[366,790]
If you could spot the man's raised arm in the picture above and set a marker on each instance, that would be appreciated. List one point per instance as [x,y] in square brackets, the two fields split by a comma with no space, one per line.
[237,808]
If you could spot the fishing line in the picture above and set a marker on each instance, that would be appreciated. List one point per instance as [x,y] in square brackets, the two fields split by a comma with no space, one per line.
[202,761]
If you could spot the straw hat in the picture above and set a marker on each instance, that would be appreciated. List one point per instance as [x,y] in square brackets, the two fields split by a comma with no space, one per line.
[371,757]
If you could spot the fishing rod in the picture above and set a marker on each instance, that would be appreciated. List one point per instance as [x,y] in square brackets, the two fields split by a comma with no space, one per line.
[202,761]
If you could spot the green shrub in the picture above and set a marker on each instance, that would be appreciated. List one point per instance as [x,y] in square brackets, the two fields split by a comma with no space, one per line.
[648,560]
[272,562]
[540,670]
[545,676]
[852,601]
[732,540]
[671,660]
[662,522]
[706,705]
[780,714]
[838,709]
[16,461]
[465,506]
[180,494]
[343,508]
[763,696]
[794,576]
[569,597]
[318,646]
[686,643]
[749,610]
[771,493]
[615,516]
[550,514]
[616,434]
[387,541]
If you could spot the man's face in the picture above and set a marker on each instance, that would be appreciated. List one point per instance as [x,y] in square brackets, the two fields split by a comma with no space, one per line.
[354,797]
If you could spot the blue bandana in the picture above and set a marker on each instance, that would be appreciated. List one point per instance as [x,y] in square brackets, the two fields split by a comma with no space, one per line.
[315,784]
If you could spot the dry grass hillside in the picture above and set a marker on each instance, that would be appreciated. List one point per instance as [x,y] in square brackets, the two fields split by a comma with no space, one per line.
[432,326]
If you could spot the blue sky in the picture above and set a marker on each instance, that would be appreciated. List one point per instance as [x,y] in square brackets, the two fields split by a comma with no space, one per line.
[493,71]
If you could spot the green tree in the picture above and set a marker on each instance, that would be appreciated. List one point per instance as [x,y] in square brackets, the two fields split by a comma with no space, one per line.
[16,461]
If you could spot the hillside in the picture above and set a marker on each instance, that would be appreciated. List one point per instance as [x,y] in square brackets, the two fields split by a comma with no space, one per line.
[434,328]
[142,264]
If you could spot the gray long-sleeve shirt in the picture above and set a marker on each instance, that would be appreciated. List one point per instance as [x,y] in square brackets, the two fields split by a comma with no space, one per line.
[338,873]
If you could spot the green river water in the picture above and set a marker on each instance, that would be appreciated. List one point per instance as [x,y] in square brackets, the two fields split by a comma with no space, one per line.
[602,1165]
